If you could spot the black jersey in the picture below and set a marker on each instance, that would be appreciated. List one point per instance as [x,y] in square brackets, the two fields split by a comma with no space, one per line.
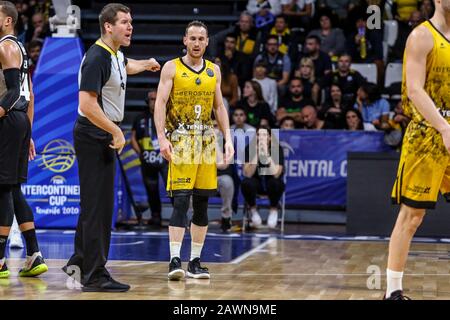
[22,103]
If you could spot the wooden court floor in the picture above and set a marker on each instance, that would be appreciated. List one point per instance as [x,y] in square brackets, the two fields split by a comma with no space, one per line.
[277,269]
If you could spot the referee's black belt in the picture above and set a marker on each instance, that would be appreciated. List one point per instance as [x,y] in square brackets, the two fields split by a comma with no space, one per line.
[86,121]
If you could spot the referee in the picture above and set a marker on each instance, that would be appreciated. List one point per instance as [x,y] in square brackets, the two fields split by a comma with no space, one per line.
[97,137]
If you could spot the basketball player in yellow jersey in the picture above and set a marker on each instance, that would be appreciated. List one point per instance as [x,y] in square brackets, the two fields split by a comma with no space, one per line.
[424,167]
[188,92]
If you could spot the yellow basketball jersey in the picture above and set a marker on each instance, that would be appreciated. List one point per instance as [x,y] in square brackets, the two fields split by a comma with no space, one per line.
[191,99]
[437,82]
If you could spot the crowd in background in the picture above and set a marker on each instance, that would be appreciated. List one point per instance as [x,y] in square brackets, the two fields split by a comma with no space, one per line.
[288,64]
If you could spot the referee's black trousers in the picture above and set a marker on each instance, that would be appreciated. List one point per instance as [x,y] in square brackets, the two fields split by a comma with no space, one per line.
[96,169]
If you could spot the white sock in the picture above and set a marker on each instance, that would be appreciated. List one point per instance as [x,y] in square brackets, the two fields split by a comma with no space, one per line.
[196,250]
[175,248]
[394,281]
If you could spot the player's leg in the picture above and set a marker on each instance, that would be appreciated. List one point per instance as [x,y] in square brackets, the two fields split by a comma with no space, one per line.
[421,170]
[205,186]
[249,187]
[226,189]
[275,189]
[34,264]
[199,228]
[15,237]
[6,219]
[408,220]
[150,177]
[177,227]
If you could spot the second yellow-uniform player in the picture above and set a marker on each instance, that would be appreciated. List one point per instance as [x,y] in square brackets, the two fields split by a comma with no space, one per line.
[424,168]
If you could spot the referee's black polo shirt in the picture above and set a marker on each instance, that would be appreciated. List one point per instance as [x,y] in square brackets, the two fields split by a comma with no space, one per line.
[104,72]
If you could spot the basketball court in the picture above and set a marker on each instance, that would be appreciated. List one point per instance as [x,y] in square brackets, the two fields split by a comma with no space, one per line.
[243,267]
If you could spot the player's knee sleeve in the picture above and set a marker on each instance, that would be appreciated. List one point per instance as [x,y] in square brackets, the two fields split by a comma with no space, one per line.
[200,205]
[180,209]
[21,208]
[6,206]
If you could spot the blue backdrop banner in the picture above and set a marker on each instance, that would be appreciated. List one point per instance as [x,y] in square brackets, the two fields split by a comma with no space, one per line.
[316,163]
[315,166]
[53,189]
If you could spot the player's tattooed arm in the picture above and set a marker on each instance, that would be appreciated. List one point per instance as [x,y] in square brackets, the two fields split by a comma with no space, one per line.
[138,66]
[162,96]
[221,115]
[10,59]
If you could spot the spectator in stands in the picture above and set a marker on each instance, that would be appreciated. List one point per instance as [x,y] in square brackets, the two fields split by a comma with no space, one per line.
[374,109]
[242,133]
[398,122]
[338,7]
[264,12]
[247,37]
[240,120]
[299,12]
[332,40]
[144,142]
[402,9]
[229,85]
[404,29]
[354,121]
[366,46]
[23,11]
[305,72]
[322,61]
[293,104]
[237,61]
[278,64]
[257,110]
[225,183]
[334,109]
[34,51]
[268,86]
[263,172]
[427,9]
[287,123]
[312,121]
[283,34]
[40,29]
[347,79]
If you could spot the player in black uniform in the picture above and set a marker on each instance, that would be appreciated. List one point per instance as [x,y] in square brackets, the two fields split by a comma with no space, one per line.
[16,147]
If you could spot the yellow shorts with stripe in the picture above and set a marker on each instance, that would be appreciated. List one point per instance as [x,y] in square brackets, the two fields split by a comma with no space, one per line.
[193,167]
[424,168]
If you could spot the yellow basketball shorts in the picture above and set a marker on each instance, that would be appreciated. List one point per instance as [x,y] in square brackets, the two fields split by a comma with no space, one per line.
[193,167]
[423,170]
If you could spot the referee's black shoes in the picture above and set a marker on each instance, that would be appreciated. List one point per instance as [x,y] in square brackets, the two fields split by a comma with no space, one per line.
[106,285]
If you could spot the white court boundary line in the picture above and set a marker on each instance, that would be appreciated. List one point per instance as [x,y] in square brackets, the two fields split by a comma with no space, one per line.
[252,251]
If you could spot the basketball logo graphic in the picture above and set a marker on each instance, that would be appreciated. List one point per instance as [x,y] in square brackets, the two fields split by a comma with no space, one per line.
[58,156]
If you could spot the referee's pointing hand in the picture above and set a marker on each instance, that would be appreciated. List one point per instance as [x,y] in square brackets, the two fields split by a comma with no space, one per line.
[118,141]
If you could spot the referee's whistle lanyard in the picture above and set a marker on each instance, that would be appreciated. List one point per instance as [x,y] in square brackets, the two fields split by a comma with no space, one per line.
[122,84]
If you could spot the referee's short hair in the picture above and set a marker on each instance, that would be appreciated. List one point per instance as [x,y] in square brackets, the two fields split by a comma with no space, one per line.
[196,23]
[109,14]
[9,10]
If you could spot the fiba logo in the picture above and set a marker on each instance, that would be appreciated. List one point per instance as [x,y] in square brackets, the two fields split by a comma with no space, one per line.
[58,156]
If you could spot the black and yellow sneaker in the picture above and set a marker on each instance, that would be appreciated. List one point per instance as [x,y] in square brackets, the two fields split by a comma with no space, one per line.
[175,270]
[4,272]
[397,295]
[34,266]
[196,271]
